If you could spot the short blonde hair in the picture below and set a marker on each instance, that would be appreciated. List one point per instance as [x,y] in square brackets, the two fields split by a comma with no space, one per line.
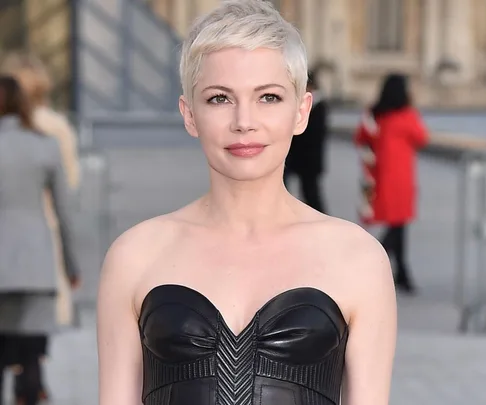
[247,24]
[31,73]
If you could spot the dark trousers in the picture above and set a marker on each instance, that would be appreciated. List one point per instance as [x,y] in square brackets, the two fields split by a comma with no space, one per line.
[28,382]
[310,189]
[394,242]
[24,351]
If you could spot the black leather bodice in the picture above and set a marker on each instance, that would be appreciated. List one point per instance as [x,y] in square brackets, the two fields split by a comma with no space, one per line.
[291,353]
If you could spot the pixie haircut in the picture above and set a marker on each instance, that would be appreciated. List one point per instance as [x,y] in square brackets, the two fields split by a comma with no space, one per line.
[247,24]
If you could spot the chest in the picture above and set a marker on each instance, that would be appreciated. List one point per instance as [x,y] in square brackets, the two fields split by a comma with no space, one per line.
[298,339]
[238,263]
[239,278]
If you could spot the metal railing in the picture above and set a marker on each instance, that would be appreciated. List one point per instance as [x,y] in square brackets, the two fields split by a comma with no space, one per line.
[471,243]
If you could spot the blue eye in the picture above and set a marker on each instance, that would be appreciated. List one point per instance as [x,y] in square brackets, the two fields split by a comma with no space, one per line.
[271,98]
[218,99]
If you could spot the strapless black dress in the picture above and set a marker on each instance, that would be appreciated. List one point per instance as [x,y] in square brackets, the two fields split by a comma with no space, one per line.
[291,353]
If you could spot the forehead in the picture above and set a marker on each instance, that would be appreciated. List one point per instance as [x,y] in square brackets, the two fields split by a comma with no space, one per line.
[240,68]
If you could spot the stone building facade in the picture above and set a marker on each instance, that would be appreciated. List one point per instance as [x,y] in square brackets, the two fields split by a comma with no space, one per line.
[440,44]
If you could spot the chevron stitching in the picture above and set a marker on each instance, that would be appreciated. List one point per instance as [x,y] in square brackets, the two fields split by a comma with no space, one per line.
[235,365]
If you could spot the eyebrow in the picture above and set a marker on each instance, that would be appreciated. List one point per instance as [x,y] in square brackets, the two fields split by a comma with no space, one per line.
[259,88]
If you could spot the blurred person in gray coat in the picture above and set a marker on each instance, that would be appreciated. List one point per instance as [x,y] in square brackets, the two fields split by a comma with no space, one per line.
[30,163]
[36,83]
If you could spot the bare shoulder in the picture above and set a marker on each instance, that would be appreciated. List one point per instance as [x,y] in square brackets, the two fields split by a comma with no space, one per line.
[361,263]
[133,251]
[137,245]
[351,241]
[356,243]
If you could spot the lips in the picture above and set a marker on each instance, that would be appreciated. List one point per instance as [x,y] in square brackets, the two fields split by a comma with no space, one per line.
[245,150]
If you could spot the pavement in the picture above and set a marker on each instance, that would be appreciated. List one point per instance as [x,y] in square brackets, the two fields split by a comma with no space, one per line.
[434,365]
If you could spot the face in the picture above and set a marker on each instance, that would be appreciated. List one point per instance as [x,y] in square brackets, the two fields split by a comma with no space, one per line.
[245,112]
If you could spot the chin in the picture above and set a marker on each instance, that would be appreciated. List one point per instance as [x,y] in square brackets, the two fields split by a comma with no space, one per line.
[245,173]
[246,177]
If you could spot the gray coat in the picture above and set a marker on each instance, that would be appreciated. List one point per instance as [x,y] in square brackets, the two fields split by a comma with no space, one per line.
[30,163]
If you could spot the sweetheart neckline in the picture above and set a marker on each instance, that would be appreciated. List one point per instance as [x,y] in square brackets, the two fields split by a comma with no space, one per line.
[257,313]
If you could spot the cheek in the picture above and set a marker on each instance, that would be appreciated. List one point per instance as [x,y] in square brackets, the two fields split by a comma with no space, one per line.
[210,127]
[282,124]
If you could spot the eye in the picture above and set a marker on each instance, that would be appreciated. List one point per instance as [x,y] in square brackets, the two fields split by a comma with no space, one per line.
[218,99]
[271,98]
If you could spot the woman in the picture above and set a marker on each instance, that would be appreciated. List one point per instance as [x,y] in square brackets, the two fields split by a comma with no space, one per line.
[228,300]
[35,81]
[390,134]
[29,163]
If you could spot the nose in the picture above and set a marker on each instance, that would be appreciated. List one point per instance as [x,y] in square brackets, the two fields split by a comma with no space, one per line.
[244,118]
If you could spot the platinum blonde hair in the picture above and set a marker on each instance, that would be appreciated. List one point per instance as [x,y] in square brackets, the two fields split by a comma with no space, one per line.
[247,24]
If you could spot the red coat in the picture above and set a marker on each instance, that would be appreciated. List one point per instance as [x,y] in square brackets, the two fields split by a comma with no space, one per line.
[394,138]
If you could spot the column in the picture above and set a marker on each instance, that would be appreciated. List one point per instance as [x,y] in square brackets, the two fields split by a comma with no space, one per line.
[432,37]
[412,29]
[307,28]
[182,16]
[459,38]
[287,9]
[319,23]
[480,37]
[358,27]
[338,41]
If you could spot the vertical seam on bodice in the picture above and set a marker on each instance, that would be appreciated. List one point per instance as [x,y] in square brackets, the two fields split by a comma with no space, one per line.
[235,364]
[254,359]
[218,343]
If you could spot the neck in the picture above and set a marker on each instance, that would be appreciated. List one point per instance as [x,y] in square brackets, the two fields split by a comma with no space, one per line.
[248,207]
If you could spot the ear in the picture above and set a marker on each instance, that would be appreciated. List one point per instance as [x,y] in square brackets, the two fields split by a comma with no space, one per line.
[188,116]
[303,113]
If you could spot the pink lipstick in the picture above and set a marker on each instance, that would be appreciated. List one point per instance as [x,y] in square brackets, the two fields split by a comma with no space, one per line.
[245,150]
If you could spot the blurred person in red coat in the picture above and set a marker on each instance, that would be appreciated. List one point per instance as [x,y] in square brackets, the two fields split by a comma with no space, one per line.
[388,138]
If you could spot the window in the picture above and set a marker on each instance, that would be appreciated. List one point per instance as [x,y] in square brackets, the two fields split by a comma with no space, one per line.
[385,25]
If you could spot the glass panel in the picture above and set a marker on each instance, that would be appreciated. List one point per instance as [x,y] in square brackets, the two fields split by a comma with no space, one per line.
[386,25]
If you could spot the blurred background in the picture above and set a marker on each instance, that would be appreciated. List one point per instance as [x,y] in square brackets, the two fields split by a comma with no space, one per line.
[113,65]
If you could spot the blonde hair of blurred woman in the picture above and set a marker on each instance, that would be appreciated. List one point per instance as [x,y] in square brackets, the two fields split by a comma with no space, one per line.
[35,81]
[32,75]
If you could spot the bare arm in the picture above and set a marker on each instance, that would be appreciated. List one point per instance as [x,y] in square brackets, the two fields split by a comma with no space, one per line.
[371,345]
[69,151]
[119,346]
[62,198]
[58,126]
